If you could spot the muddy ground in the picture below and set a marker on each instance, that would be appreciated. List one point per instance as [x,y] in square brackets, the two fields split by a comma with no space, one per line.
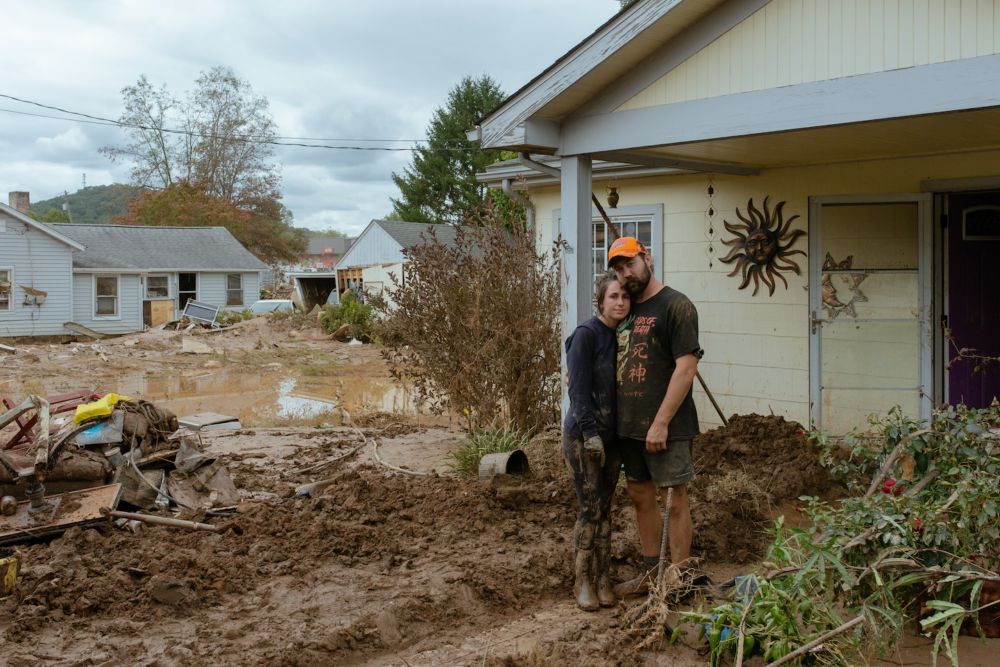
[382,567]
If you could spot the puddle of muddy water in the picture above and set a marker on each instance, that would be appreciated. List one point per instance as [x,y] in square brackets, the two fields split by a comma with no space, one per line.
[271,398]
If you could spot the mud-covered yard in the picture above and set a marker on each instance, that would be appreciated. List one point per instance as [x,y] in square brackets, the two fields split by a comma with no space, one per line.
[380,568]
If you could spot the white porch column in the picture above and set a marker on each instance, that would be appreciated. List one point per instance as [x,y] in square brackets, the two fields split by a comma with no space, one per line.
[575,227]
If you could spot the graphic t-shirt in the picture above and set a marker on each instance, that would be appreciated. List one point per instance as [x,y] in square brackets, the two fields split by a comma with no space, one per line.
[658,331]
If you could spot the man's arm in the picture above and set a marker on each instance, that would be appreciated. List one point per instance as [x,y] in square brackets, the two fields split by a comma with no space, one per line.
[680,385]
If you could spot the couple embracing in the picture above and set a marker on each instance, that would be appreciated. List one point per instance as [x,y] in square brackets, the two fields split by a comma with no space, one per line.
[631,368]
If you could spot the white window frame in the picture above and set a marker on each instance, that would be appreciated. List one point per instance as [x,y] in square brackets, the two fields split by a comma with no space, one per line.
[637,213]
[118,296]
[228,290]
[10,295]
[157,275]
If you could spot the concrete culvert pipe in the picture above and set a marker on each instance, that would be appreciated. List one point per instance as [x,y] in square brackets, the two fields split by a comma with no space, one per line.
[505,463]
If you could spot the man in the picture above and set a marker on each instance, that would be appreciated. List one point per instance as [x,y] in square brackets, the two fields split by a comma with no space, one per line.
[658,355]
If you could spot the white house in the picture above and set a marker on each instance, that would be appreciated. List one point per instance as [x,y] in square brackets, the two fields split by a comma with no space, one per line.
[114,278]
[377,254]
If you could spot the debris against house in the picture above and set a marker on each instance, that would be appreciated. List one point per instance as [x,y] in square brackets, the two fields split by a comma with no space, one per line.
[82,330]
[201,312]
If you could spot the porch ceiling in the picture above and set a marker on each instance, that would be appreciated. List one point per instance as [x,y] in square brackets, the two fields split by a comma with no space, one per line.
[952,132]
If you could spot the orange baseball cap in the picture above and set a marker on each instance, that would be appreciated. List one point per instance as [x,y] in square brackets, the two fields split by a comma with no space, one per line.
[626,246]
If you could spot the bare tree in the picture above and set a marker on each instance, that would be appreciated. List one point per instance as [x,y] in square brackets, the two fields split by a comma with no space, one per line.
[216,137]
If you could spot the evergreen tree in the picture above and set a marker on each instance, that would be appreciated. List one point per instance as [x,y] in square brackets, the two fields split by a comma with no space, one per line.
[440,183]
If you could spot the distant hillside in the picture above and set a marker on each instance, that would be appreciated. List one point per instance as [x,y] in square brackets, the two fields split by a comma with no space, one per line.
[96,204]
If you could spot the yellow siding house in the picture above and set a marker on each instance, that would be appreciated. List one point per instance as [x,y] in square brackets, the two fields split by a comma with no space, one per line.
[874,123]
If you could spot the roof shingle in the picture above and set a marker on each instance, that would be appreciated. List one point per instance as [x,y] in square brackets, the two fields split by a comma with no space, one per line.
[168,248]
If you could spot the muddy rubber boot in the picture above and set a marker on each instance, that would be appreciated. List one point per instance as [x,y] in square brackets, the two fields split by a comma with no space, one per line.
[583,589]
[602,561]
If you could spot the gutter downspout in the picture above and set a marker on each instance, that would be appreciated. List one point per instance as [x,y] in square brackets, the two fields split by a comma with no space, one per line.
[529,208]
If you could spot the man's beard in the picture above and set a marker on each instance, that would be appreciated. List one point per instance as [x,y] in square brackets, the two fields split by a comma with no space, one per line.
[636,285]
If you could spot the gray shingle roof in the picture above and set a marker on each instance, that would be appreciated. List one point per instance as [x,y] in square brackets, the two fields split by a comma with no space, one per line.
[144,248]
[338,244]
[409,234]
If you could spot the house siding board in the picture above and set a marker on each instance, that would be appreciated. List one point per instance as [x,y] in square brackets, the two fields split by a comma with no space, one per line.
[130,297]
[757,348]
[792,41]
[40,261]
[212,288]
[375,246]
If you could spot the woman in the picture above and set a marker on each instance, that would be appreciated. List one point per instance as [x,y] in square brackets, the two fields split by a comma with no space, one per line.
[589,440]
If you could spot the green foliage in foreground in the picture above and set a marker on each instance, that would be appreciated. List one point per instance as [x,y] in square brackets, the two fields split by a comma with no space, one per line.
[349,311]
[482,441]
[913,544]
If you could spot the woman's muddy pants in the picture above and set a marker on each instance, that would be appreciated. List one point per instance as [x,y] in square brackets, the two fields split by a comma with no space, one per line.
[595,487]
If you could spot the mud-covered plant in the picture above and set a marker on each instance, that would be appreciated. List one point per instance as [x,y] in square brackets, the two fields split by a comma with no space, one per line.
[228,317]
[493,439]
[473,324]
[791,603]
[350,311]
[915,541]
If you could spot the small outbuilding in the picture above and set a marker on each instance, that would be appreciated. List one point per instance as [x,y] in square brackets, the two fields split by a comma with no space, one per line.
[377,254]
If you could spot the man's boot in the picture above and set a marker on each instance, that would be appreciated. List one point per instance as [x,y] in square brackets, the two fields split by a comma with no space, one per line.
[583,589]
[602,562]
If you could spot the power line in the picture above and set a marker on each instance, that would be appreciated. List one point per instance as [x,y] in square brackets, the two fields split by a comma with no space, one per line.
[289,141]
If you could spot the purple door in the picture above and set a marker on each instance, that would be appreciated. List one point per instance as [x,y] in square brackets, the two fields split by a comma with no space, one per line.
[974,296]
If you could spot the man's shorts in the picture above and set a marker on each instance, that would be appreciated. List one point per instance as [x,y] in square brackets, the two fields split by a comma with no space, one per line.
[672,467]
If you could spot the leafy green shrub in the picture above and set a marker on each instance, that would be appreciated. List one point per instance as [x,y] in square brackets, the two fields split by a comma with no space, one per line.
[915,542]
[349,311]
[482,441]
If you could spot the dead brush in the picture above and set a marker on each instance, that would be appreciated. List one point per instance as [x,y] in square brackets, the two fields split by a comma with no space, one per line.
[649,624]
[473,325]
[738,490]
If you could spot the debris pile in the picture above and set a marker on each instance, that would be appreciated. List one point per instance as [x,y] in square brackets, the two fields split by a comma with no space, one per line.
[114,449]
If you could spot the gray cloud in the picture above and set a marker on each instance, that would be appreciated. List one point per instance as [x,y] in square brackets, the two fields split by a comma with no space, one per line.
[337,70]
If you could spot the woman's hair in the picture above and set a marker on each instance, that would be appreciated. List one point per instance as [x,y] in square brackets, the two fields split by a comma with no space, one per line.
[602,288]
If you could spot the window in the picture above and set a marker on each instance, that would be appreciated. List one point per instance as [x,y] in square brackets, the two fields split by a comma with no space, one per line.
[6,287]
[639,227]
[234,289]
[157,287]
[105,296]
[981,223]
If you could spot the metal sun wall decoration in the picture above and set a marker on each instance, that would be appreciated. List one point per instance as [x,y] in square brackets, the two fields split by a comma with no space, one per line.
[762,246]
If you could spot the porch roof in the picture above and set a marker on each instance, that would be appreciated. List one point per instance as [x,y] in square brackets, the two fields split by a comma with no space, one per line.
[945,107]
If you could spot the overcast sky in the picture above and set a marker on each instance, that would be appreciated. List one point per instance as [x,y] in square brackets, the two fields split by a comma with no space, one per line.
[351,70]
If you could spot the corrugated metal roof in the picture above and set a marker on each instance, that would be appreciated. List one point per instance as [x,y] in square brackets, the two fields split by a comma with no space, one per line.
[144,248]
